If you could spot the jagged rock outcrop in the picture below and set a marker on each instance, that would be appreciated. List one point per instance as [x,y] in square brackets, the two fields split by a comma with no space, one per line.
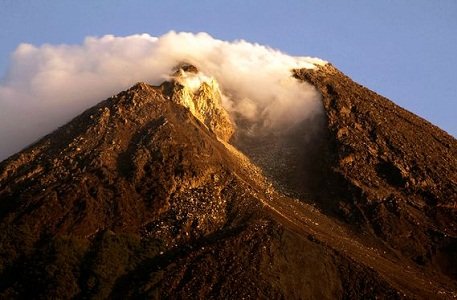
[142,196]
[202,96]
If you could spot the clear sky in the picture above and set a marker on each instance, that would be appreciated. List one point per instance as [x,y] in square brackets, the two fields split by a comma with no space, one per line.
[405,50]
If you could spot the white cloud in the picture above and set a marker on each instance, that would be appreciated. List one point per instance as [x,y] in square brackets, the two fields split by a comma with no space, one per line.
[46,86]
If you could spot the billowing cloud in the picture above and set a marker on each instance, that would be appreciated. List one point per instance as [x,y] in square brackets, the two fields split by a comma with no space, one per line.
[48,85]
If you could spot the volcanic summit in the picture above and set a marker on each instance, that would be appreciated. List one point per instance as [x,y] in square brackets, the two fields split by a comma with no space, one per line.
[160,192]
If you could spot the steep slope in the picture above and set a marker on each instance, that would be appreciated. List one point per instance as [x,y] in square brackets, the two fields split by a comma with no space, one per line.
[142,197]
[389,170]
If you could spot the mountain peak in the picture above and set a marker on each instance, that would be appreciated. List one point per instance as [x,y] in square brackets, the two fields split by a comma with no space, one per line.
[202,96]
[141,197]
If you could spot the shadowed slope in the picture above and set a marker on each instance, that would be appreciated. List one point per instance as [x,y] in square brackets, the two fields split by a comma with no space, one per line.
[389,170]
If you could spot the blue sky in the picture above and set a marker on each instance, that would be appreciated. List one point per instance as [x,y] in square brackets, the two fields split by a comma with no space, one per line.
[405,50]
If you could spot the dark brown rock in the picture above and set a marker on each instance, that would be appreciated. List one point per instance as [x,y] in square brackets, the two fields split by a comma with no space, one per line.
[398,171]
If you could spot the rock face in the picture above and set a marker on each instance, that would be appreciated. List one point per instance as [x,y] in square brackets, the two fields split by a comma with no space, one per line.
[202,97]
[143,196]
[398,172]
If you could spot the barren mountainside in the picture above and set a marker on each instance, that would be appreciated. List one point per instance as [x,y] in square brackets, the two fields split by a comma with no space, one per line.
[157,193]
[401,171]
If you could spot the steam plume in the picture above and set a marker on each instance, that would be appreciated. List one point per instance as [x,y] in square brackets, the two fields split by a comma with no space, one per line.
[48,85]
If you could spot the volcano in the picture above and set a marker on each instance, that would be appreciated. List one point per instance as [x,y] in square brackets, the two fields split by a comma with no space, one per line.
[158,192]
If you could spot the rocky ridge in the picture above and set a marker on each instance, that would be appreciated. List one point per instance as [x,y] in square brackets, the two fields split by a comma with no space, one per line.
[397,173]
